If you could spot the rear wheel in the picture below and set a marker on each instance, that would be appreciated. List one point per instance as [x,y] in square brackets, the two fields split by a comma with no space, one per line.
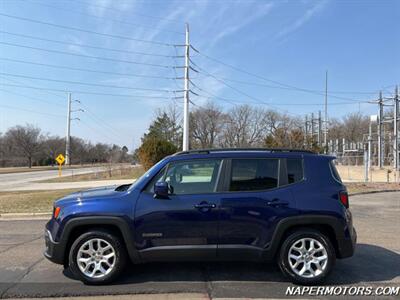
[97,257]
[306,256]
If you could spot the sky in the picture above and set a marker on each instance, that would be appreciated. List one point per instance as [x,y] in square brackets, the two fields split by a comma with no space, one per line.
[122,59]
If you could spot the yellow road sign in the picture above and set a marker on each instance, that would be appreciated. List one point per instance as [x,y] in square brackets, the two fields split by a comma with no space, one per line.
[60,159]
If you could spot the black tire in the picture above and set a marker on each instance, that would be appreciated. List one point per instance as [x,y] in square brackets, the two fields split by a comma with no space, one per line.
[283,260]
[120,256]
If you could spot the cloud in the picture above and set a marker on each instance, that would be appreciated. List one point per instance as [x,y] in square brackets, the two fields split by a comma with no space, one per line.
[303,19]
[100,7]
[239,24]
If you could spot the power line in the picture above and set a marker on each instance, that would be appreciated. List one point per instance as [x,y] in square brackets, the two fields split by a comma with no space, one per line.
[86,56]
[83,45]
[29,97]
[269,80]
[84,70]
[286,88]
[22,82]
[100,121]
[85,83]
[98,132]
[87,92]
[31,111]
[85,30]
[108,18]
[237,101]
[249,96]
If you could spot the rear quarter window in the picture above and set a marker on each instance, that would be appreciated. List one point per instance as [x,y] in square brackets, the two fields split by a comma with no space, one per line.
[334,171]
[295,171]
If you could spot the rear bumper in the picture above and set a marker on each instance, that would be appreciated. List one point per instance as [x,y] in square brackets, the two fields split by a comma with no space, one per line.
[53,251]
[347,246]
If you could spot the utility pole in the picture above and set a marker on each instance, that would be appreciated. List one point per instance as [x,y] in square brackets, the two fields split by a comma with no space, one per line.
[380,125]
[369,161]
[395,130]
[326,112]
[68,135]
[320,129]
[185,145]
[312,129]
[306,132]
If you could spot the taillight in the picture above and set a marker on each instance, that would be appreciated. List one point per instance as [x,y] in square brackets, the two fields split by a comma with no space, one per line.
[56,212]
[344,198]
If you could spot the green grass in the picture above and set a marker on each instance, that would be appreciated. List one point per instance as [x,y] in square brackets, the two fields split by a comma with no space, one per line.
[30,201]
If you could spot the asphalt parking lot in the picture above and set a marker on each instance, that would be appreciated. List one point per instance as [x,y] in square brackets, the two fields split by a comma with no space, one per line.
[24,272]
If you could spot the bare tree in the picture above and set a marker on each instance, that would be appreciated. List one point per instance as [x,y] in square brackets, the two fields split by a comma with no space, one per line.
[206,125]
[355,125]
[27,141]
[246,126]
[52,146]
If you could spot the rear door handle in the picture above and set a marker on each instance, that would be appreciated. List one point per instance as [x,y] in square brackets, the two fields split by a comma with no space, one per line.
[277,202]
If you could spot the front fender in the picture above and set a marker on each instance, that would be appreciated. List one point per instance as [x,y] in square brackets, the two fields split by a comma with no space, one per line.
[59,248]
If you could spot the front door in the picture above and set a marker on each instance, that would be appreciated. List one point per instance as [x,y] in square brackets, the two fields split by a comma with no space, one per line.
[256,199]
[185,224]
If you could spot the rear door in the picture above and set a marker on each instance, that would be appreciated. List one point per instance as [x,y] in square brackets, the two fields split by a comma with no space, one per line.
[257,197]
[184,225]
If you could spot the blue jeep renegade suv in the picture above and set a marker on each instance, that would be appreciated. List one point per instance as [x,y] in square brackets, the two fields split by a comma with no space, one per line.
[223,204]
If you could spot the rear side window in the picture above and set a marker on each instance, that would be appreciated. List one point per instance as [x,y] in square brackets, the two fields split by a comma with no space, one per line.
[334,171]
[254,174]
[294,170]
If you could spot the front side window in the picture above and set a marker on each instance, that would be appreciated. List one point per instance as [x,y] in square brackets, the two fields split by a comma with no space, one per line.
[254,174]
[193,177]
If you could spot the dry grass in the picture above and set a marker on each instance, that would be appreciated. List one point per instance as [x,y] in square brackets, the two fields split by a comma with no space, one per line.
[115,174]
[361,187]
[10,170]
[30,201]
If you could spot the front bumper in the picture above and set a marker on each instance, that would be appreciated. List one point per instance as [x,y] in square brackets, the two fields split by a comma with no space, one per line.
[53,250]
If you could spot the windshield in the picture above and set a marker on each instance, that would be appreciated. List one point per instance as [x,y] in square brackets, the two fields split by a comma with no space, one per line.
[146,175]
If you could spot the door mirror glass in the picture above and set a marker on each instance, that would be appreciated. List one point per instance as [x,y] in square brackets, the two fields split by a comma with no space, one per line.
[161,189]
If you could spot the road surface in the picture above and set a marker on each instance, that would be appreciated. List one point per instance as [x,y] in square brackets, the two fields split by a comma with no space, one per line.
[16,181]
[24,272]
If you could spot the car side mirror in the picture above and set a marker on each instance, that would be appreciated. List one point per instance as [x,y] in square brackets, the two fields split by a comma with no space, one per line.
[161,189]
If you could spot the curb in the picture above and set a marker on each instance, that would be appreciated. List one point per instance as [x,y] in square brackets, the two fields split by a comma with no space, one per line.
[374,192]
[25,216]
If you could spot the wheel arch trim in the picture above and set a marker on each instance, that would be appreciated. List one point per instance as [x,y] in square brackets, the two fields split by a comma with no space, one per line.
[119,222]
[286,224]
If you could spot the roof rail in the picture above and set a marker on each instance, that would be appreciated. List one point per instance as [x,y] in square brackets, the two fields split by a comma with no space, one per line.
[208,151]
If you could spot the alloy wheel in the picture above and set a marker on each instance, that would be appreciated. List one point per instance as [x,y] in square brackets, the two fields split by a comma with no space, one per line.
[96,258]
[307,257]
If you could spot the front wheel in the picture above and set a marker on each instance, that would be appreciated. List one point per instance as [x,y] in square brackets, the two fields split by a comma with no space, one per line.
[97,257]
[306,256]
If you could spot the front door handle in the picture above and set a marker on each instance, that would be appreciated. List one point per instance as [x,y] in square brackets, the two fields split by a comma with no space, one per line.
[277,202]
[205,205]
